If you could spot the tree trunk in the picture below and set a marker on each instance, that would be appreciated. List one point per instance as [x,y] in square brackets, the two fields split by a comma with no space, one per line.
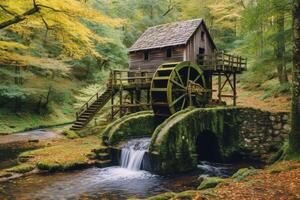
[280,49]
[294,140]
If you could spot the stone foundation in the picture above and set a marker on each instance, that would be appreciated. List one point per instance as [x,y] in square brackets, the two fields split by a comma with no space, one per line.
[262,133]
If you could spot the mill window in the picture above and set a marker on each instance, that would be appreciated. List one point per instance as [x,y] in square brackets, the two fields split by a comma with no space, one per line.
[169,52]
[146,55]
[202,35]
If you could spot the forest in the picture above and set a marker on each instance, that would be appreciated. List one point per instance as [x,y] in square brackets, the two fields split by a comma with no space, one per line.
[55,55]
[51,43]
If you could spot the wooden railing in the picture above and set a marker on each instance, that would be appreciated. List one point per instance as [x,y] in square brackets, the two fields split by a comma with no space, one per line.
[88,103]
[222,61]
[126,77]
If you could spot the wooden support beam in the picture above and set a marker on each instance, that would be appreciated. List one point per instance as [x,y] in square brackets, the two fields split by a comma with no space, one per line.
[112,105]
[121,101]
[219,87]
[234,89]
[148,96]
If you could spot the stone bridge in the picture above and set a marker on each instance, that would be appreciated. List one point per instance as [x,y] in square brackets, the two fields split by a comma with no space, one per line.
[213,134]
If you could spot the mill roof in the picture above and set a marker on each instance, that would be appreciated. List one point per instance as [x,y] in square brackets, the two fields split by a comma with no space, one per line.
[166,35]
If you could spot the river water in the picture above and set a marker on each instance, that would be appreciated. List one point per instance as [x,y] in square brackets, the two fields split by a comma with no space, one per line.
[118,182]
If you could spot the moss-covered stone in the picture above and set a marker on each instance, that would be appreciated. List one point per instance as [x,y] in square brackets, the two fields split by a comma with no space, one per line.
[175,139]
[187,195]
[70,134]
[135,125]
[164,196]
[210,182]
[63,155]
[243,173]
[22,168]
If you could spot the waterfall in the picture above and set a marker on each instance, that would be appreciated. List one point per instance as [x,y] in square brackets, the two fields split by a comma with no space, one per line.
[133,153]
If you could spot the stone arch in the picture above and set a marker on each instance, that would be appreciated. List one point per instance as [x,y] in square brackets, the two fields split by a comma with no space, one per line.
[174,142]
[135,125]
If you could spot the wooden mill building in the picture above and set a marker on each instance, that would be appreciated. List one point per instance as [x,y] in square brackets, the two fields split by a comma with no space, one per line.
[174,42]
[156,67]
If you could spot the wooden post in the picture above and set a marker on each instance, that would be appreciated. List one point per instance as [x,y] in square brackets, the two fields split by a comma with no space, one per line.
[112,106]
[234,88]
[121,101]
[219,87]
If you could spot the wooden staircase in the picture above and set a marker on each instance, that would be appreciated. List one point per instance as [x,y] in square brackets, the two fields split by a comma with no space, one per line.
[91,107]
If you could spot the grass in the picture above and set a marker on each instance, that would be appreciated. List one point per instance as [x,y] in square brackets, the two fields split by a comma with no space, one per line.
[22,168]
[11,122]
[63,155]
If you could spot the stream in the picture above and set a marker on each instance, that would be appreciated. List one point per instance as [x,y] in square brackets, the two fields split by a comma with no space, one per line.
[117,182]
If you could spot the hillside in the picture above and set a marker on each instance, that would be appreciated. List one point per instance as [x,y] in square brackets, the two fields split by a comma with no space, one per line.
[69,46]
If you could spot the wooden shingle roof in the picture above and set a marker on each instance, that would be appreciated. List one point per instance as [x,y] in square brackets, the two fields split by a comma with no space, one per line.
[166,35]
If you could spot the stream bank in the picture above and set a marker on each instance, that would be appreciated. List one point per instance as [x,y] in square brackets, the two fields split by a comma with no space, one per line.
[118,182]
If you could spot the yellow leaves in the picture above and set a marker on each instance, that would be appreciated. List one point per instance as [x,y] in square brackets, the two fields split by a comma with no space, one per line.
[63,21]
[11,45]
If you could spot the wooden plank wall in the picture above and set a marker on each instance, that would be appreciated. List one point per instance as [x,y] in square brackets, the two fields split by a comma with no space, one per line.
[156,58]
[192,48]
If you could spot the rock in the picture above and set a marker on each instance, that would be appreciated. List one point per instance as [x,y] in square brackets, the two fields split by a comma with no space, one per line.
[277,139]
[164,196]
[285,117]
[210,182]
[287,127]
[243,173]
[272,118]
[276,133]
[278,126]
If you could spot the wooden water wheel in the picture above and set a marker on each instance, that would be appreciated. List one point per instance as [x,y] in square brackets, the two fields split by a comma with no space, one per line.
[175,86]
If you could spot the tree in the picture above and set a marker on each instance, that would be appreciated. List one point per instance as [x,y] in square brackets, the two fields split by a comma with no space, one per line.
[280,8]
[294,140]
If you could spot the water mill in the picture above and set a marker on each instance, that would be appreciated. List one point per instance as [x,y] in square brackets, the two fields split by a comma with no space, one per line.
[145,100]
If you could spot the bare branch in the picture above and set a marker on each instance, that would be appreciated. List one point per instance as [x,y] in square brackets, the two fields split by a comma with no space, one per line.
[19,18]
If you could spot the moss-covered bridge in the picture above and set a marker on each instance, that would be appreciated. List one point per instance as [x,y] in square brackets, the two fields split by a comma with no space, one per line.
[215,134]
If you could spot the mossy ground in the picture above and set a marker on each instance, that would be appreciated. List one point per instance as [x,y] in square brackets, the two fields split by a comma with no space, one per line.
[278,181]
[12,122]
[59,155]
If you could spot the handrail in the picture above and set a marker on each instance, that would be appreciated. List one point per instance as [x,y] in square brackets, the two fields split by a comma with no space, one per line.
[86,105]
[221,60]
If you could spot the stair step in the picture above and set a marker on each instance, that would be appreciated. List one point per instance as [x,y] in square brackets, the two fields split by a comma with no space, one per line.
[102,150]
[103,163]
[92,109]
[75,127]
[81,120]
[86,117]
[79,123]
[103,156]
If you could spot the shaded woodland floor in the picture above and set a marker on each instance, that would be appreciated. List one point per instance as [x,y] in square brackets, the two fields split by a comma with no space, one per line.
[278,181]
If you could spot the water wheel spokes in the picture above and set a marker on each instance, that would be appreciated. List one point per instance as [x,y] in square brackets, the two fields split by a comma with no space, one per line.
[170,88]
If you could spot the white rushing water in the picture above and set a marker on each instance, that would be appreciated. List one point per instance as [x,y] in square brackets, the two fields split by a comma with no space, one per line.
[133,153]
